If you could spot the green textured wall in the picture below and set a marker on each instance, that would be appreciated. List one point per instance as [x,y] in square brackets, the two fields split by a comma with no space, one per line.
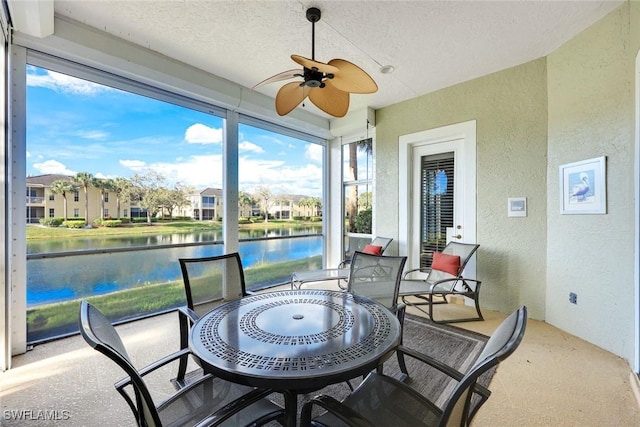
[510,108]
[591,114]
[577,103]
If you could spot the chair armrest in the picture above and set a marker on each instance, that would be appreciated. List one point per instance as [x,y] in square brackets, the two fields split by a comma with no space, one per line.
[454,281]
[345,263]
[442,367]
[154,366]
[189,314]
[413,270]
[234,407]
[186,318]
[333,406]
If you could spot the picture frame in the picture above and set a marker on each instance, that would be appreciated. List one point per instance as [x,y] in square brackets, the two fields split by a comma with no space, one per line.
[583,187]
[517,206]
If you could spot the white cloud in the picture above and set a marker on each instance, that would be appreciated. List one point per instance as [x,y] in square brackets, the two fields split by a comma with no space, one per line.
[314,152]
[305,180]
[92,134]
[197,171]
[53,167]
[133,164]
[251,147]
[28,154]
[65,84]
[202,134]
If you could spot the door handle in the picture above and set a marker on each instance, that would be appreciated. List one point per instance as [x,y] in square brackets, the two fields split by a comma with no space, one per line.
[458,236]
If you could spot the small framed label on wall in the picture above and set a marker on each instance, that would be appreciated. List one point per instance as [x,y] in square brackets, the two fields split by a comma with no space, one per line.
[517,206]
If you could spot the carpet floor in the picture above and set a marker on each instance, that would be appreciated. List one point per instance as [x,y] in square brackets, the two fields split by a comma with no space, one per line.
[454,346]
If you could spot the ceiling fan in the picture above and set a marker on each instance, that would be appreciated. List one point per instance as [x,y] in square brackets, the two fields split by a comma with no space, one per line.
[327,85]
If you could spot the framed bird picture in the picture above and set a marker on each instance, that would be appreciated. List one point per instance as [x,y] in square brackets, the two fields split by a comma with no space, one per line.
[583,187]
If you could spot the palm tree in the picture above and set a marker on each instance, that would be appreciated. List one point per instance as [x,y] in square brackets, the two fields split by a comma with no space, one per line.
[62,187]
[365,145]
[85,180]
[104,185]
[122,188]
[245,199]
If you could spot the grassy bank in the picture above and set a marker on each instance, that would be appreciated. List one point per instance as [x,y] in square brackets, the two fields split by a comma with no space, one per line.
[47,321]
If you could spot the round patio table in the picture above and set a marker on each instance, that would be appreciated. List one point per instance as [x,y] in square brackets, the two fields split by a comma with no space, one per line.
[295,341]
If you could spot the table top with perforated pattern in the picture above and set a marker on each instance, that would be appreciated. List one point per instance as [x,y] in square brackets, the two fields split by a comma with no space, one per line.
[298,340]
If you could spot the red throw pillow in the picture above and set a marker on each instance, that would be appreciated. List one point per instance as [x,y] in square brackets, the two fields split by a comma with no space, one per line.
[373,250]
[447,263]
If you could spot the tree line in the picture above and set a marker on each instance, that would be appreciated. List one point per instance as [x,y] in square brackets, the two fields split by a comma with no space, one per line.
[150,193]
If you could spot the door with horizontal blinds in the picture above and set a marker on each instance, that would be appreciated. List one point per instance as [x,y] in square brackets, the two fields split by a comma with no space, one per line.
[437,183]
[438,189]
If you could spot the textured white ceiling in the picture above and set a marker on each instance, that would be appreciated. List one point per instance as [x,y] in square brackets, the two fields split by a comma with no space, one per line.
[432,44]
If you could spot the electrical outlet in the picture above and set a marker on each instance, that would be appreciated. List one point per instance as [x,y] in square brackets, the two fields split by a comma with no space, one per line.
[573,298]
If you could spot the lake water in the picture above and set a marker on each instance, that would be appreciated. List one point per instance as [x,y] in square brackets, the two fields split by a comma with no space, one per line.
[51,280]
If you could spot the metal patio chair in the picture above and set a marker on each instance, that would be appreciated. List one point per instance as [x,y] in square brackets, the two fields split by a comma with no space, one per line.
[444,278]
[204,279]
[206,401]
[377,246]
[378,277]
[384,401]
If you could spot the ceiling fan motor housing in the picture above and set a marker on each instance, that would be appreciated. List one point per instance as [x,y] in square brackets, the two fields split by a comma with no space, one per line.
[313,78]
[313,14]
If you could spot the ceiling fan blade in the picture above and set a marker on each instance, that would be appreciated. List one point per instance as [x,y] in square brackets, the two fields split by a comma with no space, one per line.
[352,78]
[311,64]
[289,96]
[285,75]
[332,101]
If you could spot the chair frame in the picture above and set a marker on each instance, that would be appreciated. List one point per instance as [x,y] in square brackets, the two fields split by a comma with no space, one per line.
[504,341]
[398,309]
[144,408]
[341,273]
[427,291]
[187,315]
[375,267]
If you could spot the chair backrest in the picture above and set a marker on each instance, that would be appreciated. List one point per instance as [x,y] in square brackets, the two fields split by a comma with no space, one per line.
[462,250]
[98,332]
[384,242]
[377,277]
[458,410]
[205,279]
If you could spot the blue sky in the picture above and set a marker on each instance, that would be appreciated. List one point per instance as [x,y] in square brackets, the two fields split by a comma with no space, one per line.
[76,126]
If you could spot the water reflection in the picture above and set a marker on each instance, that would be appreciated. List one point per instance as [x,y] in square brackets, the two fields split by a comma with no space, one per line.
[51,280]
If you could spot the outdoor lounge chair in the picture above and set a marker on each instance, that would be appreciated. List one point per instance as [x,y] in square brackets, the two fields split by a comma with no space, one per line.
[377,246]
[208,400]
[204,280]
[384,401]
[443,279]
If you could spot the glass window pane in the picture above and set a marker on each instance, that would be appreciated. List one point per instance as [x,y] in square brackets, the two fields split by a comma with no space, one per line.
[76,127]
[280,195]
[357,160]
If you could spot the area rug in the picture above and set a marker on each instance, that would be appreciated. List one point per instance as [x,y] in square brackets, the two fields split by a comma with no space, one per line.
[454,346]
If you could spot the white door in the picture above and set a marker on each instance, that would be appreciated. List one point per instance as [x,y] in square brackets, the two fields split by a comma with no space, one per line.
[458,144]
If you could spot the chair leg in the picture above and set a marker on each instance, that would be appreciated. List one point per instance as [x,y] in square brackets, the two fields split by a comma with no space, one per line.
[404,373]
[184,343]
[477,302]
